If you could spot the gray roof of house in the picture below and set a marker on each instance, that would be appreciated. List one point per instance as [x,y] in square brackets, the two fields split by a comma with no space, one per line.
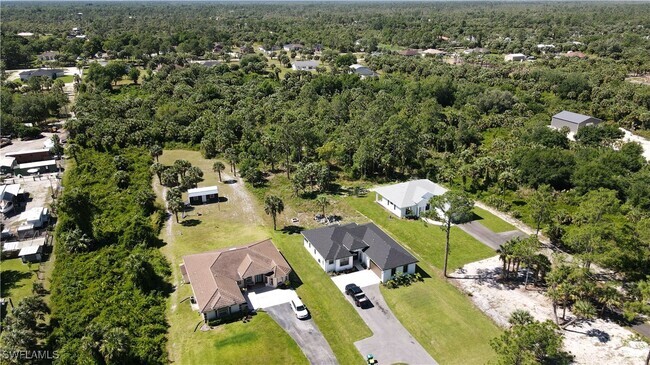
[41,72]
[572,117]
[306,63]
[335,242]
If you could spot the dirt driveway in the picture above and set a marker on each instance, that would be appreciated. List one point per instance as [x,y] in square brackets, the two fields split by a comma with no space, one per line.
[305,333]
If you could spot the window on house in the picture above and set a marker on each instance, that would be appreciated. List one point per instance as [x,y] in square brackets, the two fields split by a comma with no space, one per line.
[330,262]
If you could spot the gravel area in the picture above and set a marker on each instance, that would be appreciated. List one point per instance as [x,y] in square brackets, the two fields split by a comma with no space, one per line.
[599,339]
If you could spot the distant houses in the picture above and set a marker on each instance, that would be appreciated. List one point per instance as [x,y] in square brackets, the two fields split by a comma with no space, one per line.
[41,72]
[573,121]
[515,57]
[433,52]
[292,47]
[410,52]
[304,65]
[48,56]
[362,71]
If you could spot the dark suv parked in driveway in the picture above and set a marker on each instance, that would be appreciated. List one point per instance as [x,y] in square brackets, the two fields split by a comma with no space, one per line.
[357,294]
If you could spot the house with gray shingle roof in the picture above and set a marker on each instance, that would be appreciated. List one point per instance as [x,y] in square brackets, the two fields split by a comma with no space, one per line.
[573,121]
[218,277]
[339,248]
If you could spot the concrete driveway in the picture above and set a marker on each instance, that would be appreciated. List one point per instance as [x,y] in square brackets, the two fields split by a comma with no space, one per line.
[361,278]
[486,236]
[262,298]
[305,333]
[390,343]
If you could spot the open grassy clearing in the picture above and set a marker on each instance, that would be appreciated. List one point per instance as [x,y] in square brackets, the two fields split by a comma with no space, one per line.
[443,320]
[491,221]
[16,279]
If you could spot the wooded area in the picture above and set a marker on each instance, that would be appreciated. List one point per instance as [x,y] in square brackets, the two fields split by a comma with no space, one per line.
[479,126]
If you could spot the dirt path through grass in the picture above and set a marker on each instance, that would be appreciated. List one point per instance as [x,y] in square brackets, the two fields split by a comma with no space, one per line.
[241,196]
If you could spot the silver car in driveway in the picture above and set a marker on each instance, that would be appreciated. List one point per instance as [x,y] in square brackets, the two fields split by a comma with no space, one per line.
[299,309]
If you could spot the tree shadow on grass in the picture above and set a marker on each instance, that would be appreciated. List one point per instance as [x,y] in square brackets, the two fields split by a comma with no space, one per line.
[292,229]
[190,222]
[10,279]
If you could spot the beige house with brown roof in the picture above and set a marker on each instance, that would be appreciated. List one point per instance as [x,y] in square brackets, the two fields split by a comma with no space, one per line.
[218,277]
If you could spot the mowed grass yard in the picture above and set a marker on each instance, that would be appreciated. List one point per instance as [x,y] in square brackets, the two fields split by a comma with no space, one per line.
[426,240]
[216,227]
[261,340]
[491,221]
[437,314]
[16,279]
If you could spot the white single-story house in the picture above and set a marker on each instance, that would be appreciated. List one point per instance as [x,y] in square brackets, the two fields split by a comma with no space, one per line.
[338,248]
[203,195]
[362,71]
[517,57]
[31,254]
[305,65]
[218,277]
[573,121]
[408,199]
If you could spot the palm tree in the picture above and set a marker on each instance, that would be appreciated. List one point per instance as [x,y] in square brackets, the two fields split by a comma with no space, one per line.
[322,202]
[520,317]
[217,167]
[114,344]
[157,168]
[156,151]
[273,206]
[448,208]
[582,310]
[176,205]
[57,147]
[505,254]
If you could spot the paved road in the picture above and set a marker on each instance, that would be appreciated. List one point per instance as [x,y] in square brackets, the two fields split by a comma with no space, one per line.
[305,333]
[486,236]
[390,343]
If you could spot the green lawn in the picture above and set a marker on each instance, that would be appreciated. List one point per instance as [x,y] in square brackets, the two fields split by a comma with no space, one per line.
[223,225]
[232,343]
[16,279]
[335,317]
[491,221]
[436,313]
[66,79]
[444,321]
[217,226]
[426,240]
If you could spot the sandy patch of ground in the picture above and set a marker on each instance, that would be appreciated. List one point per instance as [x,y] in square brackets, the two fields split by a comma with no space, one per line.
[603,340]
[237,194]
[629,137]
